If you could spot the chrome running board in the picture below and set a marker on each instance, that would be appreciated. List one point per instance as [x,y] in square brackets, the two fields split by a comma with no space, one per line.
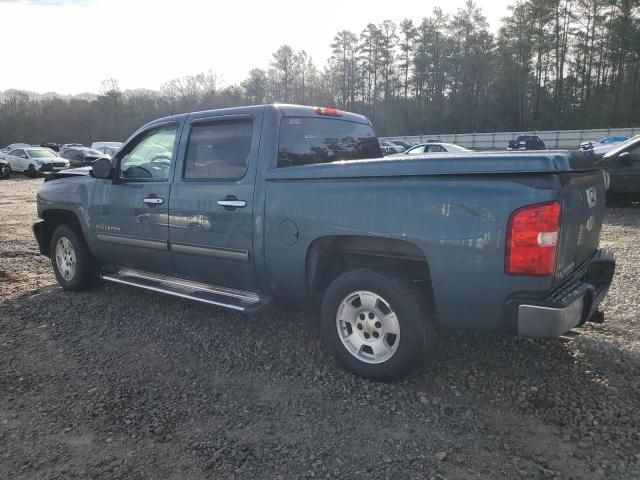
[200,292]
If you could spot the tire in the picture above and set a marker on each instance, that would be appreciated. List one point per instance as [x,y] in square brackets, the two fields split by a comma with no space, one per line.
[348,317]
[31,172]
[73,265]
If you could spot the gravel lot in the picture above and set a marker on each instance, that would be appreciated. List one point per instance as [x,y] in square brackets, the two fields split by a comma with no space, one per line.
[119,383]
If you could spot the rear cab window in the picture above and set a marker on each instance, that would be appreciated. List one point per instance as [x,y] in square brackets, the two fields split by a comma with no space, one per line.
[310,141]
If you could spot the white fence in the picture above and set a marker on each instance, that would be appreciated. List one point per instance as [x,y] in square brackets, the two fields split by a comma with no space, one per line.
[570,139]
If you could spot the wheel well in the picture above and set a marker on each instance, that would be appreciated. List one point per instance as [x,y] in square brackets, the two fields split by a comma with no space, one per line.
[52,219]
[329,257]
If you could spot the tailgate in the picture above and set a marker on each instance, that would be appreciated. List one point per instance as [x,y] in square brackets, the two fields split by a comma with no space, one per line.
[583,209]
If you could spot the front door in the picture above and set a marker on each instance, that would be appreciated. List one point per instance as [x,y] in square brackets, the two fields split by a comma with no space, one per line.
[625,171]
[211,203]
[129,214]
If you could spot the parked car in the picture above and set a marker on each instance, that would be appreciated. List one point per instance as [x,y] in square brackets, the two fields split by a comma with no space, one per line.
[401,144]
[82,156]
[5,170]
[34,161]
[53,146]
[237,206]
[109,151]
[13,146]
[622,163]
[526,142]
[426,148]
[604,145]
[389,148]
[65,146]
[107,148]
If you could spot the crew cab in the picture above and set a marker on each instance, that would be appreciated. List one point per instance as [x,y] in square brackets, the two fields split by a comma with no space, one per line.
[236,207]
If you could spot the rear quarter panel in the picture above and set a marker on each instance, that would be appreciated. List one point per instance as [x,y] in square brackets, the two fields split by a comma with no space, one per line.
[458,222]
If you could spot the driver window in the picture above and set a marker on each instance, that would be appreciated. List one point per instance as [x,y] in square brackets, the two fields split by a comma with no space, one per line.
[149,157]
[416,150]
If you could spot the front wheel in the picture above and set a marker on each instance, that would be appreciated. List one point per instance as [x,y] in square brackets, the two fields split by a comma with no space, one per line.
[73,265]
[31,171]
[375,325]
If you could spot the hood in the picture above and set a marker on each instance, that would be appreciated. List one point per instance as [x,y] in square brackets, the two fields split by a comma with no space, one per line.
[69,172]
[51,159]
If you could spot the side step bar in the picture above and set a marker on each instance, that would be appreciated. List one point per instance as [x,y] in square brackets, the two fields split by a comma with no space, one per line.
[248,302]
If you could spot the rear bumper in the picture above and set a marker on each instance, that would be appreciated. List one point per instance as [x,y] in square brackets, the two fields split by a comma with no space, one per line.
[567,306]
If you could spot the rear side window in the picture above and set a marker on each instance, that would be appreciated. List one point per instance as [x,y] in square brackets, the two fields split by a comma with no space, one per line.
[307,141]
[219,150]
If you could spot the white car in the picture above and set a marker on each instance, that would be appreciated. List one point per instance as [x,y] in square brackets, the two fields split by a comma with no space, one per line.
[33,161]
[431,147]
[389,148]
[107,148]
[13,146]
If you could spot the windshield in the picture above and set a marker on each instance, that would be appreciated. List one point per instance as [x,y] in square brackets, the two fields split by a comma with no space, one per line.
[41,153]
[92,153]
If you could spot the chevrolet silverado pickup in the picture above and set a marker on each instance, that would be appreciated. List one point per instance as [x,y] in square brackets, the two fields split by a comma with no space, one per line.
[236,207]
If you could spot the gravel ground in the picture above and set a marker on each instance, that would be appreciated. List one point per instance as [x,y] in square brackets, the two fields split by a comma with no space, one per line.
[125,384]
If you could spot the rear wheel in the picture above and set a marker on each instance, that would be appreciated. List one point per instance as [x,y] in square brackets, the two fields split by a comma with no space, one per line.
[73,265]
[375,325]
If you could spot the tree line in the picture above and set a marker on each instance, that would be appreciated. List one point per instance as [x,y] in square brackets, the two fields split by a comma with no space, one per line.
[553,64]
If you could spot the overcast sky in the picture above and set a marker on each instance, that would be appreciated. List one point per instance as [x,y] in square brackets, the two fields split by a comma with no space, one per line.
[70,46]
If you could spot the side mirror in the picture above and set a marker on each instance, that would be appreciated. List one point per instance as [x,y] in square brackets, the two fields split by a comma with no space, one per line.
[625,157]
[101,168]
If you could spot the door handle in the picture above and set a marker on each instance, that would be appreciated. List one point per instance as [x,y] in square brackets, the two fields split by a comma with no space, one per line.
[232,202]
[153,200]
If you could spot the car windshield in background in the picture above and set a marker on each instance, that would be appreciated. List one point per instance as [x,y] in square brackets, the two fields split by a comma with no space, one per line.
[307,141]
[41,153]
[456,148]
[93,153]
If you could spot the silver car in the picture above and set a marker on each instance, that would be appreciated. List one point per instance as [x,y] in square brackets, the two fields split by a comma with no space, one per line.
[34,161]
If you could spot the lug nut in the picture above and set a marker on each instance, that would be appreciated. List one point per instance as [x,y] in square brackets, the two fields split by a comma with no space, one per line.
[359,326]
[366,335]
[371,315]
[362,316]
[376,334]
[378,324]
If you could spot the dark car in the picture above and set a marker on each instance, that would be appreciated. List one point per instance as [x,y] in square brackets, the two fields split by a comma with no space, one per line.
[82,156]
[623,165]
[526,142]
[53,146]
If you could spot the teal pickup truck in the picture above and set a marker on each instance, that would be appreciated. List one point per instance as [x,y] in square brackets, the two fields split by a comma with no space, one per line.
[235,207]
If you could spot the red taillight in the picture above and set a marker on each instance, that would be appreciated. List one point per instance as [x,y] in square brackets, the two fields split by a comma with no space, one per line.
[532,240]
[330,112]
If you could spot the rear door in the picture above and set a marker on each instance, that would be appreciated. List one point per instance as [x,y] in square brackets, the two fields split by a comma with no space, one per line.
[212,200]
[17,160]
